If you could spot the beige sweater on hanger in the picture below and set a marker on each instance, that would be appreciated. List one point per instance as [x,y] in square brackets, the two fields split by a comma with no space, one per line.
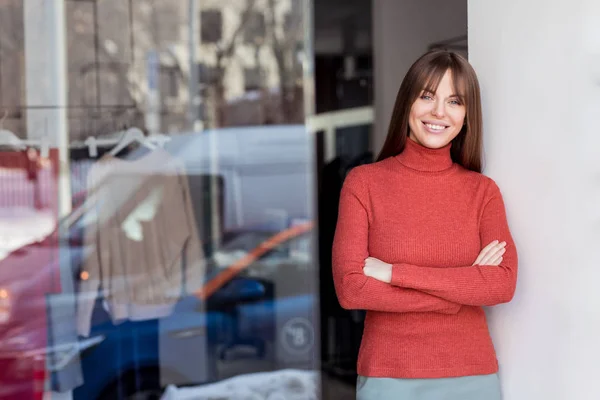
[141,239]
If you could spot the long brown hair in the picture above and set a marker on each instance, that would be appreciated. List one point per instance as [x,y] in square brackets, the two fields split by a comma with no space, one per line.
[426,74]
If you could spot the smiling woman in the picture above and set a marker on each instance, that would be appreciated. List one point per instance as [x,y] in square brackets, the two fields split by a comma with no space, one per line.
[438,102]
[436,118]
[422,243]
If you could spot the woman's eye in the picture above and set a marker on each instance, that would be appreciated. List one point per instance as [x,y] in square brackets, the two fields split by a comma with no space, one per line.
[426,97]
[455,102]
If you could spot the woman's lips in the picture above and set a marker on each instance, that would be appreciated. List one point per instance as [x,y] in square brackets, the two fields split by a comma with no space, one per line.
[434,128]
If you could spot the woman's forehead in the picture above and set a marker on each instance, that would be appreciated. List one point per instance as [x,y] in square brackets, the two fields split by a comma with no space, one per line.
[434,79]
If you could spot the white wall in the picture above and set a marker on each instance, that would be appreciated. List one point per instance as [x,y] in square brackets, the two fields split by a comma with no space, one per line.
[402,30]
[538,62]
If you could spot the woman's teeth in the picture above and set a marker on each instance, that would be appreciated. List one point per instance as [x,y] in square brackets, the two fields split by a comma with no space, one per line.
[435,127]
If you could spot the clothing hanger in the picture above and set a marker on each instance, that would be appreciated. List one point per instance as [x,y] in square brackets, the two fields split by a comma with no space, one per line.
[159,139]
[132,135]
[8,138]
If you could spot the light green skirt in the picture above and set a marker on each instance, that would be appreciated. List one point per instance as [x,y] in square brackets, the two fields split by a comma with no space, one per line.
[478,387]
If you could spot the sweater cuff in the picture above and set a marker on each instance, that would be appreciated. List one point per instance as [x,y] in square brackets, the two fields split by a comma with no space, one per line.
[397,275]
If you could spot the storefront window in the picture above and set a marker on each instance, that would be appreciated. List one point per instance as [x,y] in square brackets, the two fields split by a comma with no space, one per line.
[156,200]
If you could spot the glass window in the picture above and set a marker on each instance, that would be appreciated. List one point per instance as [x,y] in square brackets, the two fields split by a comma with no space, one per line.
[156,189]
[252,79]
[211,26]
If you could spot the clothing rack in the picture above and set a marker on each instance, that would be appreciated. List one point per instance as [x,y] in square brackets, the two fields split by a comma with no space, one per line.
[131,135]
[124,139]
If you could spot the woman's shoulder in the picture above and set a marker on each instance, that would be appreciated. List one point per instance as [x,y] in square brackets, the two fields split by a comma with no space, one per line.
[366,172]
[360,179]
[480,180]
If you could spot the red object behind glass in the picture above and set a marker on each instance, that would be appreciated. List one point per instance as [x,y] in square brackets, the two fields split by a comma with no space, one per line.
[27,181]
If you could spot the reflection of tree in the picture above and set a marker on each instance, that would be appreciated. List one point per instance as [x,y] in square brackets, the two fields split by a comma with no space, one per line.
[108,43]
[113,78]
[224,52]
[10,37]
[285,37]
[270,34]
[11,57]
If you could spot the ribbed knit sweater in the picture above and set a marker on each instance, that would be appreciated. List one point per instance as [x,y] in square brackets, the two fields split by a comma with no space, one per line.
[429,218]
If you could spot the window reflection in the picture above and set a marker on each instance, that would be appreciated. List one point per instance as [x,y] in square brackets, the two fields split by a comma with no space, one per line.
[183,258]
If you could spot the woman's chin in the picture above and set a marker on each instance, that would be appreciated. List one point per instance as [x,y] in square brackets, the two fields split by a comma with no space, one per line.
[433,141]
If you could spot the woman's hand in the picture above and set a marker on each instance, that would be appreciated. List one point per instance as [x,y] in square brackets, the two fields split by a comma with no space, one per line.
[491,254]
[382,271]
[378,269]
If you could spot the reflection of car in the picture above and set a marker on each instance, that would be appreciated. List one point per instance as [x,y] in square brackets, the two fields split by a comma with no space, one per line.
[259,317]
[262,319]
[26,276]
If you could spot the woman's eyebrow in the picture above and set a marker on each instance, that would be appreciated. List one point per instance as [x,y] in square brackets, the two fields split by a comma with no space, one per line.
[460,96]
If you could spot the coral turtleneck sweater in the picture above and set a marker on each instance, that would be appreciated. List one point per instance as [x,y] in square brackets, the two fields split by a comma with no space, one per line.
[430,218]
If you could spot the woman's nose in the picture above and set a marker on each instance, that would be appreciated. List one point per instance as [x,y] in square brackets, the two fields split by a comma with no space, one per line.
[438,109]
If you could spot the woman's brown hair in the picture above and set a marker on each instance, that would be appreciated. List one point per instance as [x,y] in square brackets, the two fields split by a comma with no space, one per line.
[426,74]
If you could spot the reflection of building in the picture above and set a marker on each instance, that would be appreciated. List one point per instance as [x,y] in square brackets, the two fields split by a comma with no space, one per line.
[11,65]
[107,43]
[247,62]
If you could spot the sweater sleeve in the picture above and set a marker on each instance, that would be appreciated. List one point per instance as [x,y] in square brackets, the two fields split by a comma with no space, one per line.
[350,249]
[194,254]
[93,257]
[479,285]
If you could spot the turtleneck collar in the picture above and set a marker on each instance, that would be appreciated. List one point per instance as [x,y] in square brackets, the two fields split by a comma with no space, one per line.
[424,159]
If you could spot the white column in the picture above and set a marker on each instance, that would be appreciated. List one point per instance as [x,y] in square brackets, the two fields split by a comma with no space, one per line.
[538,62]
[46,99]
[46,82]
[195,100]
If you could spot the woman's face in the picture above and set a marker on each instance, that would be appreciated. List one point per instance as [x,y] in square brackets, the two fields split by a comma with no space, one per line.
[436,118]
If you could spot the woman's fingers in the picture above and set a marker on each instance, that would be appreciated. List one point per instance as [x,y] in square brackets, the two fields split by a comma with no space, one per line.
[484,251]
[497,261]
[492,254]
